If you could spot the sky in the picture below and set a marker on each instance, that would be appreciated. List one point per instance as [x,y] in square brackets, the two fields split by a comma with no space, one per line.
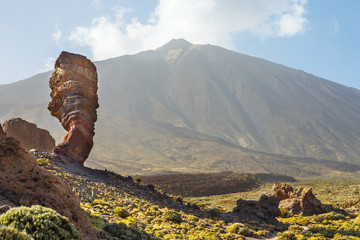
[321,37]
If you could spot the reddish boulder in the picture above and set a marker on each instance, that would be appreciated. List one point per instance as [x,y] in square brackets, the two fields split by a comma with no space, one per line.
[23,181]
[29,135]
[74,102]
[282,190]
[303,201]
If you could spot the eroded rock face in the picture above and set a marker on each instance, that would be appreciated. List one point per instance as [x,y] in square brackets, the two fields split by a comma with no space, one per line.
[303,201]
[29,135]
[23,181]
[2,134]
[264,210]
[74,102]
[282,190]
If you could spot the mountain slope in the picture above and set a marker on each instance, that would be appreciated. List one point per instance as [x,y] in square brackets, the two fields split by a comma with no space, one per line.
[185,107]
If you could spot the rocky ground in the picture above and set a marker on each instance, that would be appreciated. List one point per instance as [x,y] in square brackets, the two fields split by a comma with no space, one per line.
[120,207]
[141,211]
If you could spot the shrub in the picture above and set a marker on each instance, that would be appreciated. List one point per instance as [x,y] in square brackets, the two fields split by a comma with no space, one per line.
[262,233]
[285,212]
[173,216]
[39,222]
[328,216]
[239,228]
[137,179]
[233,228]
[121,212]
[121,231]
[295,229]
[9,233]
[43,161]
[117,230]
[286,236]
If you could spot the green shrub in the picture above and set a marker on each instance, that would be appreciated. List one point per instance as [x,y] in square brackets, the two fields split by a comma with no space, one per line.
[285,212]
[173,216]
[239,228]
[9,233]
[43,161]
[328,216]
[244,231]
[137,179]
[295,229]
[286,236]
[40,223]
[121,231]
[121,212]
[117,230]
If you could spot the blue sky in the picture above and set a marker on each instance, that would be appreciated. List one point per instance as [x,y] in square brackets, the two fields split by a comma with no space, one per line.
[317,36]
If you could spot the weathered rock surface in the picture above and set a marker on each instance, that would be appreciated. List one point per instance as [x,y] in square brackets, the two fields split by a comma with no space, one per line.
[23,181]
[74,102]
[303,201]
[282,190]
[29,135]
[2,133]
[264,210]
[5,204]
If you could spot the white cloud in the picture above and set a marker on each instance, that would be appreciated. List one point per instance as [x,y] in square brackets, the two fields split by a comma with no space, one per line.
[293,22]
[49,65]
[57,35]
[203,21]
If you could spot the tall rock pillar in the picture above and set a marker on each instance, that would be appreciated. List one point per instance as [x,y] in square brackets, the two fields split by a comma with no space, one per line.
[74,102]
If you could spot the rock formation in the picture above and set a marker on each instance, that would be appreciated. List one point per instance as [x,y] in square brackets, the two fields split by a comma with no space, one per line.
[29,135]
[264,210]
[74,102]
[301,202]
[23,181]
[2,134]
[282,190]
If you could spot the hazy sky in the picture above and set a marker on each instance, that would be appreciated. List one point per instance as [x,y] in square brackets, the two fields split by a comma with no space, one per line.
[321,37]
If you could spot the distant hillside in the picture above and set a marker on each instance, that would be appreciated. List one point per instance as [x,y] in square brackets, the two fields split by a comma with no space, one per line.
[195,108]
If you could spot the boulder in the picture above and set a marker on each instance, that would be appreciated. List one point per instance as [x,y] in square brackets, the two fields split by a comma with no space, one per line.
[303,201]
[24,182]
[29,135]
[282,190]
[264,210]
[74,102]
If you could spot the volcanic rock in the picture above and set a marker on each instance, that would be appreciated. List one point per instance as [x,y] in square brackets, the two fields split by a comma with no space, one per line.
[303,201]
[2,134]
[282,190]
[264,210]
[5,204]
[29,135]
[74,102]
[23,181]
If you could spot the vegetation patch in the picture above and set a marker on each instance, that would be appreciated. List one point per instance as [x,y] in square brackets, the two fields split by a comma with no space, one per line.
[40,223]
[10,233]
[153,215]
